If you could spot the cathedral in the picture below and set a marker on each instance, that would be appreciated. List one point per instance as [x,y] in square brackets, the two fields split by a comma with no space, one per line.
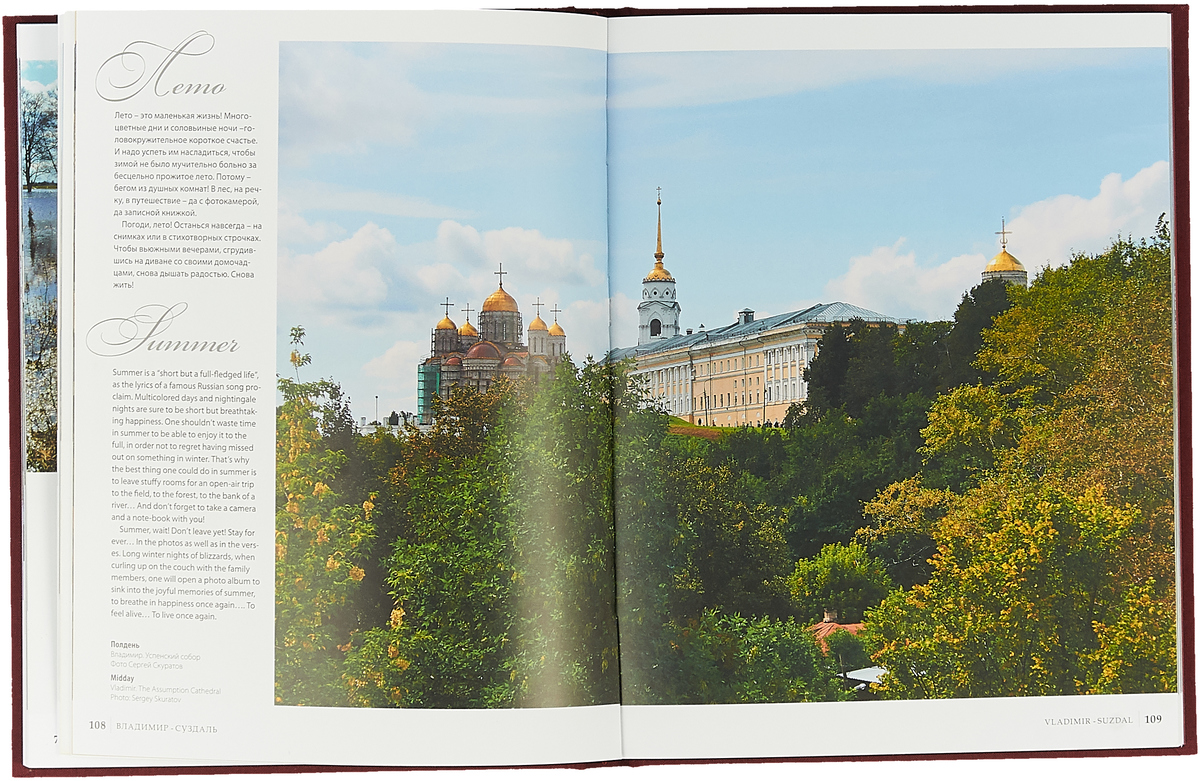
[475,358]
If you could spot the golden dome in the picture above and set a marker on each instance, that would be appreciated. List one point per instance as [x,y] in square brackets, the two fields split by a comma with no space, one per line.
[1004,262]
[467,330]
[500,302]
[538,324]
[556,330]
[659,274]
[446,325]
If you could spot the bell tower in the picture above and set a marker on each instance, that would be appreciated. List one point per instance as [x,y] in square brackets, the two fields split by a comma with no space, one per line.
[658,313]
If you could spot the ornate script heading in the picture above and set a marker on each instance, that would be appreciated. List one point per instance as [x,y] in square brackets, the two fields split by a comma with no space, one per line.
[144,329]
[143,63]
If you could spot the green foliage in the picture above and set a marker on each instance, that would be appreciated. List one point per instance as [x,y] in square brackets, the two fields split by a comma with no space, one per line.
[1048,556]
[1021,575]
[847,651]
[321,544]
[720,658]
[1136,650]
[561,487]
[969,427]
[902,519]
[501,573]
[843,578]
[447,641]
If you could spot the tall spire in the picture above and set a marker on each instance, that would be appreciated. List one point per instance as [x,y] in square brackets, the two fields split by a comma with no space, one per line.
[658,254]
[658,273]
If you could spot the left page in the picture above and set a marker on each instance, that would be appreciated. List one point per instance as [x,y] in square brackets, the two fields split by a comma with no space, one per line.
[333,436]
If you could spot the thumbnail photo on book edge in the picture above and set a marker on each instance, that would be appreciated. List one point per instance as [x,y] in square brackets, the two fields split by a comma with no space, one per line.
[923,468]
[37,150]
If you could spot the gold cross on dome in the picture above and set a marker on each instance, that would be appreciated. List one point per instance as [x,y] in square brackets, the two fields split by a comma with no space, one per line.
[501,274]
[555,312]
[1003,234]
[447,304]
[538,306]
[468,310]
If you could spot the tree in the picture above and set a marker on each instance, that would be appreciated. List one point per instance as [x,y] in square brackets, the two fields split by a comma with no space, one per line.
[721,658]
[844,578]
[1022,577]
[826,375]
[1054,564]
[38,135]
[321,544]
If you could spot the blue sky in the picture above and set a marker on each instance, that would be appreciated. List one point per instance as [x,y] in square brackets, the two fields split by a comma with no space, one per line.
[38,75]
[876,178]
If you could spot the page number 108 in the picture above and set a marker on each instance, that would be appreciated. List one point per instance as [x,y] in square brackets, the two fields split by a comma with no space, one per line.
[96,725]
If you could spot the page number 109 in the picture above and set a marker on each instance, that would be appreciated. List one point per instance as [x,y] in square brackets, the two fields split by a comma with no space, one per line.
[1155,719]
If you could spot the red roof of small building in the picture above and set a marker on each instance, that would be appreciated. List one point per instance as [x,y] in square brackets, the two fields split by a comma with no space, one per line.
[824,629]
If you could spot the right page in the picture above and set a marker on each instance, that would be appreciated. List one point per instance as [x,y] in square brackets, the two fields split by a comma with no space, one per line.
[892,297]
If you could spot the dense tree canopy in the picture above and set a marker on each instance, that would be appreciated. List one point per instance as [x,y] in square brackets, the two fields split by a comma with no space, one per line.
[992,497]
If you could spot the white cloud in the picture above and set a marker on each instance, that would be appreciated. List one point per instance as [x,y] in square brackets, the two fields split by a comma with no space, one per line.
[344,275]
[523,251]
[892,283]
[36,86]
[1043,233]
[1047,232]
[623,320]
[394,373]
[294,229]
[586,324]
[338,99]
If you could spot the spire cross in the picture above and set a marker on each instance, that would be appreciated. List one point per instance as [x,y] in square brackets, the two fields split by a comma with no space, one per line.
[468,310]
[555,311]
[1003,234]
[447,304]
[501,274]
[538,306]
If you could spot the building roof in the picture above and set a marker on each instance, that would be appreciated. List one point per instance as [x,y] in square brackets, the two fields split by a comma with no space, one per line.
[1004,262]
[867,675]
[538,324]
[446,325]
[467,330]
[824,629]
[483,350]
[836,312]
[659,274]
[499,302]
[556,330]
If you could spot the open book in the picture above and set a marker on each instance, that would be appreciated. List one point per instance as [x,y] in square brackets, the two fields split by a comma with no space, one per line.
[656,387]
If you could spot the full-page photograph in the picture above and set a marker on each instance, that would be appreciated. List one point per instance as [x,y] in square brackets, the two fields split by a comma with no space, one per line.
[444,443]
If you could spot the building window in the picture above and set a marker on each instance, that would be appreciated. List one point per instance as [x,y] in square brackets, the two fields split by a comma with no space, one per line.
[655,327]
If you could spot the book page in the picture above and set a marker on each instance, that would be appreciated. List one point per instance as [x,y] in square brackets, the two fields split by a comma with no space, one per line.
[299,477]
[876,489]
